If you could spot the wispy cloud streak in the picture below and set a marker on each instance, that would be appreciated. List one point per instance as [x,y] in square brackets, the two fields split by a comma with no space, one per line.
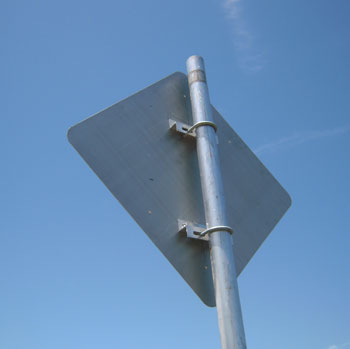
[300,138]
[344,345]
[248,56]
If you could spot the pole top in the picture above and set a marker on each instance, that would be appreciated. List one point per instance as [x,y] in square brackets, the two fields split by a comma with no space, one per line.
[195,63]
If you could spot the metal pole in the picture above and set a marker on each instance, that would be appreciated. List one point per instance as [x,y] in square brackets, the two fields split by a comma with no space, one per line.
[220,242]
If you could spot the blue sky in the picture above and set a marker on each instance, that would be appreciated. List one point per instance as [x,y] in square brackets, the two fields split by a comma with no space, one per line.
[75,270]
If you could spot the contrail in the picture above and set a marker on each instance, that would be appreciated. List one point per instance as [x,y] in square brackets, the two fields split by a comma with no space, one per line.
[300,138]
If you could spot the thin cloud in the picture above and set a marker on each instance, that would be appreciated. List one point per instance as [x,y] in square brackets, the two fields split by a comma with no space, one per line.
[231,7]
[297,139]
[248,56]
[344,345]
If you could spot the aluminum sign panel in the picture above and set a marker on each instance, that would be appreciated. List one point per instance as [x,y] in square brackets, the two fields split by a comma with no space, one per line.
[154,174]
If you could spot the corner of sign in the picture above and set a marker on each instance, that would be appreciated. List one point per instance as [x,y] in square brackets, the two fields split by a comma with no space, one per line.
[69,134]
[289,200]
[209,303]
[180,74]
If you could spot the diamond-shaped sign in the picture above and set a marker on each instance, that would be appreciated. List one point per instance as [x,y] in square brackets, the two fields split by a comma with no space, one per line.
[153,172]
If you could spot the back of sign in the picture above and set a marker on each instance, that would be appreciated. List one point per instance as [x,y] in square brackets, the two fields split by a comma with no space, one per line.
[153,172]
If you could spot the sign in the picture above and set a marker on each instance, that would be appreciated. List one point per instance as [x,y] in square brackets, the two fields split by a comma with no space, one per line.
[153,172]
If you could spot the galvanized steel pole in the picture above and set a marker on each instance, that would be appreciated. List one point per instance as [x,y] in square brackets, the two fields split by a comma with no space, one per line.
[220,242]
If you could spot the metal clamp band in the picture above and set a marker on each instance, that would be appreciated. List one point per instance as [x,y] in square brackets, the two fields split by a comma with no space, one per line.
[196,75]
[217,228]
[202,123]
